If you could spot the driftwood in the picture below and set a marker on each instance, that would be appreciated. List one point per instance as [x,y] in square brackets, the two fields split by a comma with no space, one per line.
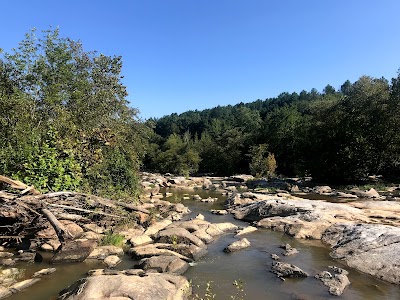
[26,212]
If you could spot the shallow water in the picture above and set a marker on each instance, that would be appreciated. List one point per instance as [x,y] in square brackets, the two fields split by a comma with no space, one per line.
[250,266]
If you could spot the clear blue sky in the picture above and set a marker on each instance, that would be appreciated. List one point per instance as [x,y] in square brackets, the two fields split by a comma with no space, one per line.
[183,55]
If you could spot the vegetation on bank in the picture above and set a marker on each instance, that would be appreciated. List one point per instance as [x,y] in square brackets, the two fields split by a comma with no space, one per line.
[336,136]
[64,118]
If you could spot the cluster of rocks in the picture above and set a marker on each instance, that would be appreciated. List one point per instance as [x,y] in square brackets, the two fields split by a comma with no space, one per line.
[11,283]
[336,283]
[363,234]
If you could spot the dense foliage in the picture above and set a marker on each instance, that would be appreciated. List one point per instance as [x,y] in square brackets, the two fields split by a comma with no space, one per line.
[339,136]
[64,118]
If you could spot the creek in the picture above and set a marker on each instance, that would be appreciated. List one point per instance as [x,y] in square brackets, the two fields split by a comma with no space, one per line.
[219,270]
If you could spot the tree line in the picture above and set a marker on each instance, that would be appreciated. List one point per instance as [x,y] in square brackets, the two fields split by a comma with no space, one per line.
[337,136]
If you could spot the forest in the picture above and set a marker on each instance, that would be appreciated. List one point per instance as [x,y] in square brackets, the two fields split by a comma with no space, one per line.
[336,136]
[66,124]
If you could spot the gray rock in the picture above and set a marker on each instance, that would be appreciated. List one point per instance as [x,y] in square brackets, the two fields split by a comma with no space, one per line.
[336,283]
[153,286]
[164,264]
[275,256]
[287,270]
[372,249]
[178,235]
[74,251]
[112,260]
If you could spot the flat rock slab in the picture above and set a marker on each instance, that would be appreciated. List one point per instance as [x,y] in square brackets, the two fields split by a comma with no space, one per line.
[153,286]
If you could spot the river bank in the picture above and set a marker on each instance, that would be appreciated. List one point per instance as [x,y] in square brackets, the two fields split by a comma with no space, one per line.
[167,240]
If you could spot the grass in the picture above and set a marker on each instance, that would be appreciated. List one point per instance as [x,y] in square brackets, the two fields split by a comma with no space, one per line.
[112,239]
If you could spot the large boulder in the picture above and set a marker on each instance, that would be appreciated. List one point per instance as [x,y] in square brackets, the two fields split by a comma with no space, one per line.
[153,286]
[74,251]
[238,245]
[372,249]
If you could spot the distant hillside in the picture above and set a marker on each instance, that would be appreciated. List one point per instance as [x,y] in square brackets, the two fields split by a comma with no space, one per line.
[334,135]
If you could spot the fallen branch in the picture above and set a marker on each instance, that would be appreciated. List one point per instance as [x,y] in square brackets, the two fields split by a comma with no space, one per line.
[61,231]
[84,210]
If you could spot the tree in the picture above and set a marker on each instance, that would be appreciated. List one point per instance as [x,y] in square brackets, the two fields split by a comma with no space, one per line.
[262,163]
[51,86]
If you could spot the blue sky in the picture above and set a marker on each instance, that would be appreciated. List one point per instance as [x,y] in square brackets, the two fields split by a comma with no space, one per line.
[183,55]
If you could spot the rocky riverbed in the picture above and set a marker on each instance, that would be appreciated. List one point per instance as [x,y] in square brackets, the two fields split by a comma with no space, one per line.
[163,243]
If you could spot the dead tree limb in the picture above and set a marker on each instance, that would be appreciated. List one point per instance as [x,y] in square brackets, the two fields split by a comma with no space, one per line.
[61,231]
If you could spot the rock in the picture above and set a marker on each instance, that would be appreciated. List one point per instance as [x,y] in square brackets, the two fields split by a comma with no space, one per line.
[207,184]
[275,256]
[209,200]
[112,260]
[49,233]
[196,197]
[6,254]
[140,240]
[10,272]
[153,286]
[372,249]
[226,226]
[43,272]
[193,252]
[74,251]
[178,235]
[102,252]
[164,264]
[372,193]
[290,252]
[322,189]
[27,256]
[238,245]
[204,236]
[336,283]
[155,250]
[246,230]
[287,270]
[153,229]
[5,292]
[200,217]
[241,178]
[7,262]
[51,245]
[180,208]
[220,212]
[346,195]
[94,228]
[19,286]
